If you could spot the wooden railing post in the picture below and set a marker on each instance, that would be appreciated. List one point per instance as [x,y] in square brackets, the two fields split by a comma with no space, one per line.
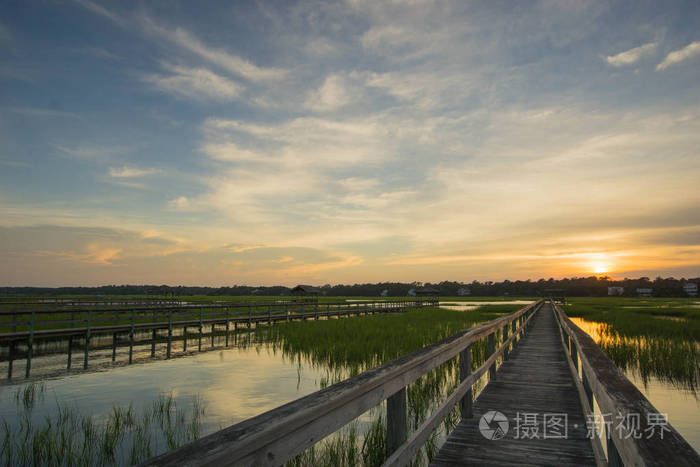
[70,352]
[10,357]
[227,327]
[114,337]
[505,338]
[11,347]
[587,387]
[492,349]
[396,426]
[170,333]
[131,337]
[30,346]
[153,336]
[201,325]
[465,369]
[87,340]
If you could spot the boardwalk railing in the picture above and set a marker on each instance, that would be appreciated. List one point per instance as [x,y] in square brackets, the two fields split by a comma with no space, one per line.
[276,436]
[128,326]
[627,416]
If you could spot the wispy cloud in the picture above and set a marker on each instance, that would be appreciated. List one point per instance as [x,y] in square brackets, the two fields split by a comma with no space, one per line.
[99,52]
[89,152]
[677,56]
[179,203]
[332,95]
[228,61]
[13,163]
[102,11]
[131,172]
[191,43]
[631,56]
[231,152]
[40,112]
[195,83]
[306,142]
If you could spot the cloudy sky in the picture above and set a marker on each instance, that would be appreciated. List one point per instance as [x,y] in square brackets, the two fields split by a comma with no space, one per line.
[215,143]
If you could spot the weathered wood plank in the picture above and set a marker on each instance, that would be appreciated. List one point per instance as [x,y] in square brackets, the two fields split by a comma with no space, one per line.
[534,380]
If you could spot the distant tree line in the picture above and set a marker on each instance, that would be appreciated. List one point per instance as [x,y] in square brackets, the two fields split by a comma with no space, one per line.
[573,287]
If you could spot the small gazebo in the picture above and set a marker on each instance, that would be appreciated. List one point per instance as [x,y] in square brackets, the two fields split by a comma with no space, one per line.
[428,293]
[306,293]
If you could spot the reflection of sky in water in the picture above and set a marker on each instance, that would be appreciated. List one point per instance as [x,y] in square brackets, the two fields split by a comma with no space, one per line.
[681,406]
[467,306]
[235,384]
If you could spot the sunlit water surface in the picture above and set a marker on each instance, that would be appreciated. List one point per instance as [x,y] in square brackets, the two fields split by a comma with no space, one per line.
[682,406]
[468,306]
[234,384]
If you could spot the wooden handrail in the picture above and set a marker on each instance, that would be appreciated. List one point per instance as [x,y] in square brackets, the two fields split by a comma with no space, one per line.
[618,396]
[278,435]
[114,323]
[406,451]
[235,312]
[196,306]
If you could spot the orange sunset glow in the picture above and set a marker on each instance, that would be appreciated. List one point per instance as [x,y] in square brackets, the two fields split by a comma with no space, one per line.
[171,149]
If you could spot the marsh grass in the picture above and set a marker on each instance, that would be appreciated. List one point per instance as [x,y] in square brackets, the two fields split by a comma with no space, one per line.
[653,337]
[347,347]
[29,395]
[70,438]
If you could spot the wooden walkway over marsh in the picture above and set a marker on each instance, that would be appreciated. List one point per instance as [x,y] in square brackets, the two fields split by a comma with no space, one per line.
[101,326]
[549,368]
[535,382]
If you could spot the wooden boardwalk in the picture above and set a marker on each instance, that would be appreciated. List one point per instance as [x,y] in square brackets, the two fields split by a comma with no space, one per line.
[534,383]
[539,390]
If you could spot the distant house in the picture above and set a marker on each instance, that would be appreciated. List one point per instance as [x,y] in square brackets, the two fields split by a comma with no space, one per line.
[462,291]
[644,292]
[615,291]
[306,290]
[306,293]
[412,293]
[384,293]
[691,289]
[255,292]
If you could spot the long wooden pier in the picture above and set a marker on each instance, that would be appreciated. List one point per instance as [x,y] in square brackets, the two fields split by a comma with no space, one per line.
[540,407]
[532,389]
[85,329]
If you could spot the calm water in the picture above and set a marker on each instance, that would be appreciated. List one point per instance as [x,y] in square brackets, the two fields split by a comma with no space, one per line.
[467,306]
[681,405]
[240,382]
[235,384]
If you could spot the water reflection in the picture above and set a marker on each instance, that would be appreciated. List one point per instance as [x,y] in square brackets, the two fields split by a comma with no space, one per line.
[233,384]
[468,306]
[665,371]
[674,361]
